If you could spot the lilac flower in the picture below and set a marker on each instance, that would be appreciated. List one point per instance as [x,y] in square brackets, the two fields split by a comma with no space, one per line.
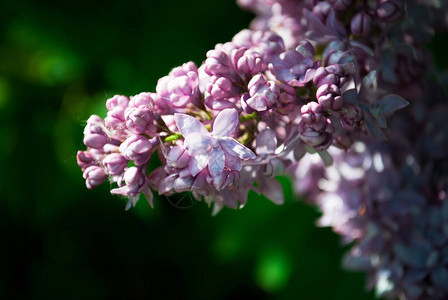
[222,93]
[389,199]
[267,43]
[321,10]
[177,158]
[140,120]
[115,115]
[115,163]
[95,135]
[88,158]
[295,67]
[227,179]
[361,24]
[339,53]
[329,97]
[307,173]
[266,144]
[181,86]
[94,176]
[137,148]
[286,102]
[376,107]
[333,74]
[262,95]
[215,149]
[143,99]
[340,4]
[219,63]
[352,117]
[390,10]
[136,182]
[247,61]
[314,128]
[324,26]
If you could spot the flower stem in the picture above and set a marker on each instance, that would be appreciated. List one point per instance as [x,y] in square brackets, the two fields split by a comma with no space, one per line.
[173,137]
[248,117]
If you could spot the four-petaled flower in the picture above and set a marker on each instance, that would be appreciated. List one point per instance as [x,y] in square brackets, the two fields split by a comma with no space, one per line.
[215,149]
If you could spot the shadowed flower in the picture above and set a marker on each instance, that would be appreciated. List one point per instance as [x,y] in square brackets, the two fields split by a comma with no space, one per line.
[315,129]
[295,67]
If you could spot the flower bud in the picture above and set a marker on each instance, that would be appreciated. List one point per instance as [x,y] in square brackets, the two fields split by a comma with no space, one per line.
[266,43]
[314,128]
[295,67]
[218,63]
[286,103]
[221,87]
[117,101]
[136,182]
[329,97]
[181,86]
[262,95]
[115,115]
[94,176]
[390,10]
[361,24]
[136,148]
[332,74]
[85,159]
[321,10]
[222,93]
[140,120]
[340,4]
[177,158]
[352,117]
[94,134]
[247,61]
[115,163]
[227,179]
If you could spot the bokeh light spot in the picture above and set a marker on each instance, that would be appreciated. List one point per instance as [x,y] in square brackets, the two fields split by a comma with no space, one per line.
[273,270]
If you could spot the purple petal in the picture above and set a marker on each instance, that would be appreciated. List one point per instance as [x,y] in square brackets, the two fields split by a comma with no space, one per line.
[187,124]
[166,185]
[306,49]
[216,162]
[231,146]
[233,162]
[198,163]
[272,189]
[124,191]
[197,143]
[149,196]
[257,103]
[266,142]
[183,184]
[225,122]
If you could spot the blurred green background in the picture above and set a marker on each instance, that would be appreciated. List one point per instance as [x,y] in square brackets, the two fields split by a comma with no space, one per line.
[59,62]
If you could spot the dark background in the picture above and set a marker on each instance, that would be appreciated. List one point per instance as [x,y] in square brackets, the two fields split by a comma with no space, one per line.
[59,62]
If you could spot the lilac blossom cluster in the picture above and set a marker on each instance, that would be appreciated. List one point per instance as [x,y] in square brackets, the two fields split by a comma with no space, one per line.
[315,90]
